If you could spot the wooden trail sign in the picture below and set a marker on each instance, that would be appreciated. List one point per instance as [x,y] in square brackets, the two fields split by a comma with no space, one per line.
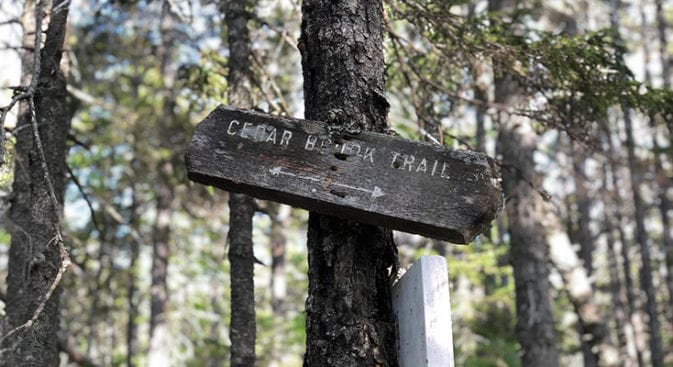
[422,307]
[369,177]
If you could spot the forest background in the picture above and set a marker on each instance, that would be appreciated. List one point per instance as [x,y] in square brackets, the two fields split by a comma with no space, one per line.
[593,106]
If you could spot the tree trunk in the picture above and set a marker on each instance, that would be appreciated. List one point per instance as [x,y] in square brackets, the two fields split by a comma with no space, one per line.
[634,319]
[588,335]
[280,223]
[159,343]
[663,181]
[665,59]
[583,203]
[529,250]
[480,89]
[646,283]
[131,326]
[625,336]
[242,329]
[591,324]
[663,45]
[528,247]
[34,258]
[132,342]
[241,207]
[159,334]
[349,318]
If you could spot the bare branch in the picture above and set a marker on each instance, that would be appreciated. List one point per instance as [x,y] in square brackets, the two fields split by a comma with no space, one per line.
[10,21]
[79,142]
[282,107]
[74,355]
[3,117]
[75,180]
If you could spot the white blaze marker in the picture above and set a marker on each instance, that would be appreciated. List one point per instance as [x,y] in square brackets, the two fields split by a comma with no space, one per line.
[423,311]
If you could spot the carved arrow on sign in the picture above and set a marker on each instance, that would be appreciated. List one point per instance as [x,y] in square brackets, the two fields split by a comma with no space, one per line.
[369,177]
[279,171]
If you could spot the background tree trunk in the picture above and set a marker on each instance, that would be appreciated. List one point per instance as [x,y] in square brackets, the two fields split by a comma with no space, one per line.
[529,250]
[131,326]
[583,203]
[34,258]
[349,318]
[280,222]
[159,343]
[631,311]
[663,180]
[525,208]
[587,331]
[646,282]
[592,327]
[241,207]
[625,335]
[666,62]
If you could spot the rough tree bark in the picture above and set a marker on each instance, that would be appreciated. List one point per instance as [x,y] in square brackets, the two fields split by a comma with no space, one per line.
[529,250]
[34,258]
[349,318]
[241,207]
[525,208]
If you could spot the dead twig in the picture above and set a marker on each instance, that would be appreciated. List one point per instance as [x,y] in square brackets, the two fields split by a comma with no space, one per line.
[75,180]
[10,21]
[74,355]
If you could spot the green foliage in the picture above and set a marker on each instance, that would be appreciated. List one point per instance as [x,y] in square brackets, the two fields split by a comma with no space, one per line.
[566,82]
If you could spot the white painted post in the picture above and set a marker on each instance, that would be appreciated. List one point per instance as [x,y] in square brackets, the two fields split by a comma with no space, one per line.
[423,310]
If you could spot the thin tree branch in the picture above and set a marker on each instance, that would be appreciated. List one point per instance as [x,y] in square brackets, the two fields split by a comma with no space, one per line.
[75,356]
[283,103]
[3,117]
[10,21]
[75,180]
[8,46]
[79,142]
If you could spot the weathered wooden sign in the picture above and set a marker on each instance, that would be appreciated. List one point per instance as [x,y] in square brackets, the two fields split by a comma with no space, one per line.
[369,177]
